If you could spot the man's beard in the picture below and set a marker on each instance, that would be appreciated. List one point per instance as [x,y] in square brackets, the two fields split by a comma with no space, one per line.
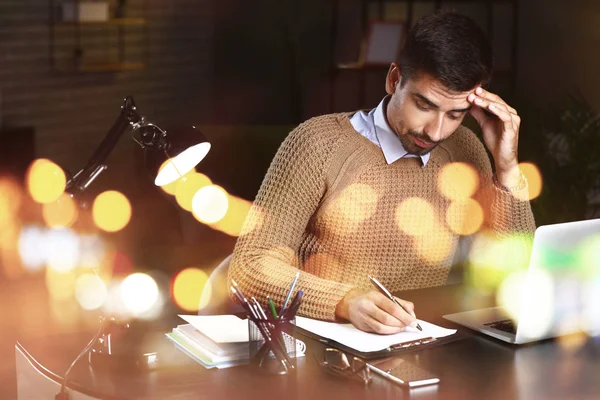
[411,147]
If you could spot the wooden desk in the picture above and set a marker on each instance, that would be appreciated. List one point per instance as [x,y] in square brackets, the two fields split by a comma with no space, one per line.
[476,367]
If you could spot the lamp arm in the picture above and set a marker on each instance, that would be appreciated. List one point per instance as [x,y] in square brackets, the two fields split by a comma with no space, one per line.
[128,116]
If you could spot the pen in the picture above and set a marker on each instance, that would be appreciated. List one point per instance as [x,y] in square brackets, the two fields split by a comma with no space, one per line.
[386,293]
[291,311]
[272,307]
[287,299]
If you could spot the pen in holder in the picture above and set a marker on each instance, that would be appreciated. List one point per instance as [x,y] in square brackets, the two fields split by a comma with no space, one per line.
[272,343]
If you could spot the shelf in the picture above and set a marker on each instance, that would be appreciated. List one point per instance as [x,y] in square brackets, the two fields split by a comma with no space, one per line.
[114,21]
[105,67]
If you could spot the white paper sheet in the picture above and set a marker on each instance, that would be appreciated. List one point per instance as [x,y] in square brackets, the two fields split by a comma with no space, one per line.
[348,335]
[220,328]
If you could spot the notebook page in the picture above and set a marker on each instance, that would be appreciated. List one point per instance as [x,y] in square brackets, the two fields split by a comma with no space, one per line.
[348,335]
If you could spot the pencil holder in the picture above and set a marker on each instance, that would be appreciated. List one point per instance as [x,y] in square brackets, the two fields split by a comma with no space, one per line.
[272,345]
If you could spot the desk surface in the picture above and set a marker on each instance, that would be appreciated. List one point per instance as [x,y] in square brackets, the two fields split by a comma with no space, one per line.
[475,367]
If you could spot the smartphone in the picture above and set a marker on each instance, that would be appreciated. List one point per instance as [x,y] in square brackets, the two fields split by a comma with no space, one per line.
[403,373]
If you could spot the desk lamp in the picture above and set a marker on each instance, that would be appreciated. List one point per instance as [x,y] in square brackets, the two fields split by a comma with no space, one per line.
[185,147]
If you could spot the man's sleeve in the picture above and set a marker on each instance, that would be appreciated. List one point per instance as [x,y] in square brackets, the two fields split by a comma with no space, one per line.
[265,258]
[507,213]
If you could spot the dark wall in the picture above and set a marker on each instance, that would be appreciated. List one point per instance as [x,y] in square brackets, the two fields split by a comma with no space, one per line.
[72,111]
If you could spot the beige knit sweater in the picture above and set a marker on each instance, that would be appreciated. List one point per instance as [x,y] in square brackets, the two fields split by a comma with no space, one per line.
[329,207]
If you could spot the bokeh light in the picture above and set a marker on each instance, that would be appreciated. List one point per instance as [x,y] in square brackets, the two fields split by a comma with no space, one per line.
[435,247]
[61,285]
[210,204]
[139,293]
[233,221]
[415,216]
[91,251]
[61,249]
[458,181]
[464,217]
[188,186]
[61,212]
[534,181]
[90,291]
[510,293]
[111,211]
[10,200]
[32,247]
[46,181]
[491,259]
[355,204]
[537,305]
[588,258]
[187,289]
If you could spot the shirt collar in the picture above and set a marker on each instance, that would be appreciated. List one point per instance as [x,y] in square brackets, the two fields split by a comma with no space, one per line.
[388,140]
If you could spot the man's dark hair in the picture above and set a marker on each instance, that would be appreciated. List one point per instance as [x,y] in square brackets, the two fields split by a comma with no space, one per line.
[451,48]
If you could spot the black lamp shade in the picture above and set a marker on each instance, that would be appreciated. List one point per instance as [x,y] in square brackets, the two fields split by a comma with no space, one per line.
[185,147]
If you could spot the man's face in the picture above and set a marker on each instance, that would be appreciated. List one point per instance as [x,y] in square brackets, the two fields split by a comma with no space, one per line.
[423,113]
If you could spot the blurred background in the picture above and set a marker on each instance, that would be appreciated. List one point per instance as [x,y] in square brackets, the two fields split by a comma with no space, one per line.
[244,73]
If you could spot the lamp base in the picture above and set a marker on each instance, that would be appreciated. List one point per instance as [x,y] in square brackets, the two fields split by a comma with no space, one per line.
[118,349]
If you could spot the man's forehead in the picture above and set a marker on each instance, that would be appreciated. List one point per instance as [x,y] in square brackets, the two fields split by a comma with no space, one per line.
[436,92]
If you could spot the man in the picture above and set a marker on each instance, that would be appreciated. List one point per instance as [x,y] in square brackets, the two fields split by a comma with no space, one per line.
[334,202]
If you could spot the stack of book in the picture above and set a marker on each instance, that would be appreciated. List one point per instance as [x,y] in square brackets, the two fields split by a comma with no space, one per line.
[216,341]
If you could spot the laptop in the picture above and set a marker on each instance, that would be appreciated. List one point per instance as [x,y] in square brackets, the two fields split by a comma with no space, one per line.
[559,293]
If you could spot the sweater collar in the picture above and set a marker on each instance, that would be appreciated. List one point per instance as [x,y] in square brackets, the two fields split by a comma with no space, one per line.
[388,140]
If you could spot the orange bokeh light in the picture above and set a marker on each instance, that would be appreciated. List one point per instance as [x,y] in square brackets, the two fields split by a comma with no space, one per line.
[10,200]
[111,211]
[415,216]
[464,217]
[458,181]
[534,180]
[188,186]
[234,218]
[46,181]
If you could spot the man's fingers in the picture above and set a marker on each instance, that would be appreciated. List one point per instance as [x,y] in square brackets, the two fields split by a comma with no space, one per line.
[378,327]
[391,308]
[408,306]
[494,98]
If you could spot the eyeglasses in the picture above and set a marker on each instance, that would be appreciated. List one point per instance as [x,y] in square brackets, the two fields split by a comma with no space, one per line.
[336,362]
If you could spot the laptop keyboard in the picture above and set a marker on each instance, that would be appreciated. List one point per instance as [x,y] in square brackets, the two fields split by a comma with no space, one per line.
[506,325]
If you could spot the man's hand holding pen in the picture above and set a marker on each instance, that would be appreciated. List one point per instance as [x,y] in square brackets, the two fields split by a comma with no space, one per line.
[372,311]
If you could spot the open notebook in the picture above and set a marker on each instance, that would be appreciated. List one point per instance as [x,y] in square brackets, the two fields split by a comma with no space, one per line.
[365,343]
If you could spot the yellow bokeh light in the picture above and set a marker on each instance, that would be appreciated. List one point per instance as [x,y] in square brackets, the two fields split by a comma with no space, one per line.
[188,186]
[458,181]
[10,200]
[111,211]
[534,181]
[415,216]
[233,221]
[90,291]
[139,292]
[46,181]
[61,212]
[464,217]
[61,285]
[210,204]
[436,246]
[188,287]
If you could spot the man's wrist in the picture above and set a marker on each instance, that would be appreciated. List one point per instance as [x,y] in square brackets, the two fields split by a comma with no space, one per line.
[343,306]
[510,182]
